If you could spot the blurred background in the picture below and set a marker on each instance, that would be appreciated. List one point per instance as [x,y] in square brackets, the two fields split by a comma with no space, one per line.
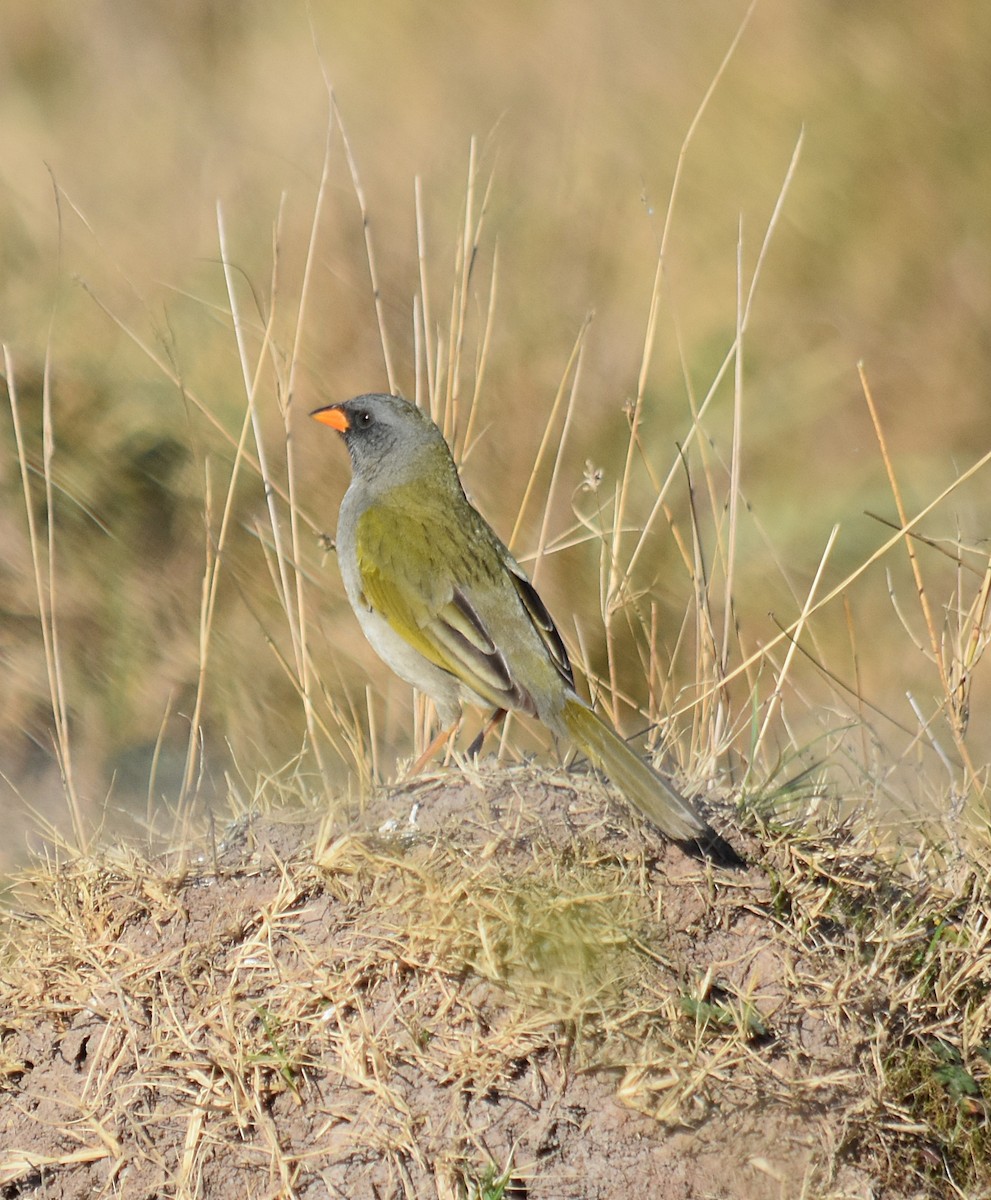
[121,128]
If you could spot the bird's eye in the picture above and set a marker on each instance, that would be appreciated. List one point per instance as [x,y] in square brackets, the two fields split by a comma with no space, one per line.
[363,419]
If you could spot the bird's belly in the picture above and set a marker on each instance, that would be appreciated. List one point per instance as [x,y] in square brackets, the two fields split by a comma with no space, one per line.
[441,686]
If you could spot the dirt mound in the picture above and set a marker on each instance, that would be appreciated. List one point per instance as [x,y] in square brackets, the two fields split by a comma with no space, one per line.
[491,985]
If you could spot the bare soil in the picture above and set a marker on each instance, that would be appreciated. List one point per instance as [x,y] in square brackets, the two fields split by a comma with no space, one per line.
[491,980]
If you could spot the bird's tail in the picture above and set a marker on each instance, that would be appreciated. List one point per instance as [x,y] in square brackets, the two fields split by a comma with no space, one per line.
[644,788]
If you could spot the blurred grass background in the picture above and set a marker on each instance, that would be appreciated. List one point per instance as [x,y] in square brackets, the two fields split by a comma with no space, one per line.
[144,116]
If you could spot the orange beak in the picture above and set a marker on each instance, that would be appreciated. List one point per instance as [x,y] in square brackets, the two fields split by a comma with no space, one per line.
[334,416]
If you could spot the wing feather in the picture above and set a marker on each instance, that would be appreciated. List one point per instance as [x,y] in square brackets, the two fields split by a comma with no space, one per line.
[423,596]
[543,623]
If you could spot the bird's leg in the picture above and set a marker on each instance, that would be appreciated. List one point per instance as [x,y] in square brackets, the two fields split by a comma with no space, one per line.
[497,718]
[447,736]
[444,736]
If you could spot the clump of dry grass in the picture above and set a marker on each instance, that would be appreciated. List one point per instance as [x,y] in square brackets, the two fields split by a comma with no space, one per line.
[406,1009]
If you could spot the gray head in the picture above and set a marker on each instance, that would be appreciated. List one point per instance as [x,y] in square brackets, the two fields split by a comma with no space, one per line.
[388,438]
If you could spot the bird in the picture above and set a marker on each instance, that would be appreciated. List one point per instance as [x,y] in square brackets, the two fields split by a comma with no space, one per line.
[445,605]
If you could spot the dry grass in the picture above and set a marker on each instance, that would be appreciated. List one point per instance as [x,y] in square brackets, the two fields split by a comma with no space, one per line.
[595,260]
[513,994]
[338,1003]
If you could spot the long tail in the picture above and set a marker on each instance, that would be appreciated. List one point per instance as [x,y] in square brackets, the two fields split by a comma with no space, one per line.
[644,788]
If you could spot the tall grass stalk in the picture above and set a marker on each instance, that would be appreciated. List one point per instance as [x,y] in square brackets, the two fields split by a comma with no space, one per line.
[359,193]
[215,551]
[43,562]
[949,673]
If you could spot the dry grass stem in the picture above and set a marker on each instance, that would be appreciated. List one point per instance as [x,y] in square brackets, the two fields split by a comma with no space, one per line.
[45,585]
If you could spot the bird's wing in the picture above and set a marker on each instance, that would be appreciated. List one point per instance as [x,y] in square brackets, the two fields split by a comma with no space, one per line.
[420,594]
[542,622]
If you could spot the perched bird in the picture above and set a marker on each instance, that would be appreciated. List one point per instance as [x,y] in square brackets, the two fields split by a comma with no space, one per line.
[446,606]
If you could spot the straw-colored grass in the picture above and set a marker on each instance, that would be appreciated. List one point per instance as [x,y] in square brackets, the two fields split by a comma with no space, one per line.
[492,982]
[407,1008]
